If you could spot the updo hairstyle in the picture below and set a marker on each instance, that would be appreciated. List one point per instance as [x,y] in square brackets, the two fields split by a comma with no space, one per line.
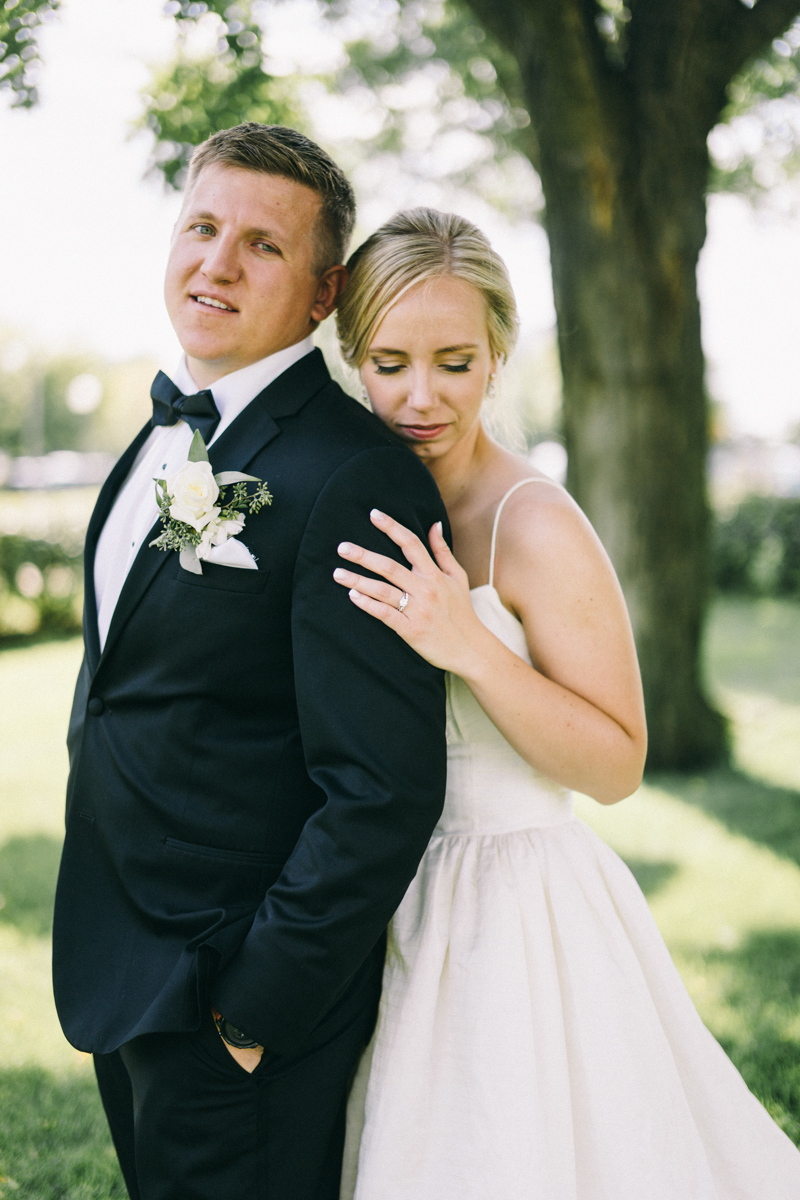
[419,244]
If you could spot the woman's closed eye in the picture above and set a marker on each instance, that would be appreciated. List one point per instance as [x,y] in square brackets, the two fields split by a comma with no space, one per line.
[452,368]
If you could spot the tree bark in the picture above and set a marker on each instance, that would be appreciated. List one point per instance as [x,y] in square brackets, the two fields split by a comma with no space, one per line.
[623,161]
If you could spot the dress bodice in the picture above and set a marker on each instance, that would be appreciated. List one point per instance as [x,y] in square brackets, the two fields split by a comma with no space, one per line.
[490,788]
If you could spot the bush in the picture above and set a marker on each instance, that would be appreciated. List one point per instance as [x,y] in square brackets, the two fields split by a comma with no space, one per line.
[41,585]
[757,548]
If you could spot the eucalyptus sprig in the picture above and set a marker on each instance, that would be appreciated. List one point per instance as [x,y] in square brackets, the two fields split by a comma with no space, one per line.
[200,510]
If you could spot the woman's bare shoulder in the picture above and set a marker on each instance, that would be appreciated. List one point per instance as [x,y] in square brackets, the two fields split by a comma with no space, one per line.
[541,531]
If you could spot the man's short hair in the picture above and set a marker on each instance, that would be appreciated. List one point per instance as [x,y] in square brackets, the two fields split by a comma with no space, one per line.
[278,150]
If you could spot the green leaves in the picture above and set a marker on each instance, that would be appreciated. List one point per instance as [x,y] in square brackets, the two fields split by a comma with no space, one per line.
[197,450]
[423,59]
[226,477]
[194,97]
[19,53]
[757,146]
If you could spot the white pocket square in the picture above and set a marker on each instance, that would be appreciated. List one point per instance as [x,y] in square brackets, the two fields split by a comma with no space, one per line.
[232,553]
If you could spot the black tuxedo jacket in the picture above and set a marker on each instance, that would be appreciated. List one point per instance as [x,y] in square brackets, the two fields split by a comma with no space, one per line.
[255,764]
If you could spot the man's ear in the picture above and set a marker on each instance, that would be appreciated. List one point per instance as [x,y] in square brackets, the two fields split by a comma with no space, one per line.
[331,286]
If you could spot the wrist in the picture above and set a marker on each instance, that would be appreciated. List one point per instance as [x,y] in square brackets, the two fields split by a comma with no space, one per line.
[474,660]
[232,1035]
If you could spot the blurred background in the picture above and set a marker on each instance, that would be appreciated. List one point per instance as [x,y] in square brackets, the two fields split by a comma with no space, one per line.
[450,105]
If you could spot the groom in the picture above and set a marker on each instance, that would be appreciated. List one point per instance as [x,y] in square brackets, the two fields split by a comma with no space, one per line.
[256,764]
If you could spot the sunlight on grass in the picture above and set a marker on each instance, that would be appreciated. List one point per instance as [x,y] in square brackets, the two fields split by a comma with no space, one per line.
[36,683]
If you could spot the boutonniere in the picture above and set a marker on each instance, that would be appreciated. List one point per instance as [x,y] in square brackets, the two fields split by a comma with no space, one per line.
[201,510]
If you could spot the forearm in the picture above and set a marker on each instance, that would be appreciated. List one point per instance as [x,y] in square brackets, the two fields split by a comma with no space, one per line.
[558,732]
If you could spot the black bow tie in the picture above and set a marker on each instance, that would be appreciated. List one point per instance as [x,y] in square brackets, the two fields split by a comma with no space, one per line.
[170,406]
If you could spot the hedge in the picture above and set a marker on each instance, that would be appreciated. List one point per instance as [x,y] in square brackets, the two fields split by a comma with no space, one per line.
[41,587]
[756,549]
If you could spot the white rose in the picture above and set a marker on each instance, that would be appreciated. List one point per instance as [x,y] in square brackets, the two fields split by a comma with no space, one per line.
[193,490]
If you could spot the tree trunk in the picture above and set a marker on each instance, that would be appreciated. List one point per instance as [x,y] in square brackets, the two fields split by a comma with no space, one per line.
[622,156]
[636,420]
[626,222]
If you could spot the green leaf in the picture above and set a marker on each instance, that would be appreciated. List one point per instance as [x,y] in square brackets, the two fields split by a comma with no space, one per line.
[226,477]
[197,450]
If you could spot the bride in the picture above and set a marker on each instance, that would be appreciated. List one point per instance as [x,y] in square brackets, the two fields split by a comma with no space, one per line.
[534,1040]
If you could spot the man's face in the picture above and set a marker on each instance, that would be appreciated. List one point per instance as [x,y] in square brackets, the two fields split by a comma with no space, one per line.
[240,280]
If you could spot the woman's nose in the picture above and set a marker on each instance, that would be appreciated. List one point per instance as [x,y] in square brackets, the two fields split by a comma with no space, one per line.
[421,396]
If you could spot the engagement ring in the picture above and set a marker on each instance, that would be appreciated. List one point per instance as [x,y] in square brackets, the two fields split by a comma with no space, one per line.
[403,602]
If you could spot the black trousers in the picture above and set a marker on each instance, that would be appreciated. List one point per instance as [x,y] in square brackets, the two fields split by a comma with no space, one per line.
[189,1123]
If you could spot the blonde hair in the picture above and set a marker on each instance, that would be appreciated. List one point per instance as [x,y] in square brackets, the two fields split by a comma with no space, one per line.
[416,245]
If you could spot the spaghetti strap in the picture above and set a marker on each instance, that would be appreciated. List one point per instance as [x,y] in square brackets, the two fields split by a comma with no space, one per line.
[520,483]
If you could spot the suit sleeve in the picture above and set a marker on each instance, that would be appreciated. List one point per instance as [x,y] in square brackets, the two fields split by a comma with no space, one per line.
[372,718]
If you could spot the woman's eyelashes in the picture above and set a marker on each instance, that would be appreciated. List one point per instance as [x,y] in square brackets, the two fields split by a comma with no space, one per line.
[457,368]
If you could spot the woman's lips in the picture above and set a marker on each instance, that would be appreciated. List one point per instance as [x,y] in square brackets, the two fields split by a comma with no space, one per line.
[423,433]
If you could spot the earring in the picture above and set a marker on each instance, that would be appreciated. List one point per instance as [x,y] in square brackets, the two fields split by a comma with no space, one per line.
[490,388]
[364,393]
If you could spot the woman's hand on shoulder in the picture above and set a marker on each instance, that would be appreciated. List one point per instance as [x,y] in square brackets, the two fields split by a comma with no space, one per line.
[437,618]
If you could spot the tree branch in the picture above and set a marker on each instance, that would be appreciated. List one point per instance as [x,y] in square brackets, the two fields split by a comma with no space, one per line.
[752,29]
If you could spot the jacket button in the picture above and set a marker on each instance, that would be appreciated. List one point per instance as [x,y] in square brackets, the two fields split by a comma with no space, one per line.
[95,707]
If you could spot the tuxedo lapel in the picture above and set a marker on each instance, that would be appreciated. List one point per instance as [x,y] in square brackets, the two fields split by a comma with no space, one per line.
[108,494]
[253,429]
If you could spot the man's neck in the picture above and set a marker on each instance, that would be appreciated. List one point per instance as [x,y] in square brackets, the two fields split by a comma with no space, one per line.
[205,373]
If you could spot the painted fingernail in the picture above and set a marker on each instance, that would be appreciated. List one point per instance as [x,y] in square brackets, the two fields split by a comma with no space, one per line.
[353,594]
[378,515]
[439,526]
[340,573]
[345,548]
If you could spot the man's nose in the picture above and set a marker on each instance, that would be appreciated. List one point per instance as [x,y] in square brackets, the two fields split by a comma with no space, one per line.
[221,263]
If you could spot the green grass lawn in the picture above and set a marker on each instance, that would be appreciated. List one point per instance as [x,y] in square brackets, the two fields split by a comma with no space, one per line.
[718,855]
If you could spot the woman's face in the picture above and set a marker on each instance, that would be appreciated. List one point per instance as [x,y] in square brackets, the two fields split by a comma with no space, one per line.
[429,363]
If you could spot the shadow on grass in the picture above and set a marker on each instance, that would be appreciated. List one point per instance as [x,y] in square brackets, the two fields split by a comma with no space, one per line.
[21,641]
[651,874]
[28,870]
[761,982]
[758,810]
[54,1141]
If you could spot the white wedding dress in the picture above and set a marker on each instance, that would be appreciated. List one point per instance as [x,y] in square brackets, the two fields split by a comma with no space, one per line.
[534,1040]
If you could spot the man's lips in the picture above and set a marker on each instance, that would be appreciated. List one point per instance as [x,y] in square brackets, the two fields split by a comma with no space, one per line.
[212,303]
[423,433]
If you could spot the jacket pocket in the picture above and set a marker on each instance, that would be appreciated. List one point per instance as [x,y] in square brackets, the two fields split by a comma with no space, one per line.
[251,858]
[223,579]
[213,877]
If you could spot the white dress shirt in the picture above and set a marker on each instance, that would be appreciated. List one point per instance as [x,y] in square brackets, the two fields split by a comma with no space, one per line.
[167,448]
